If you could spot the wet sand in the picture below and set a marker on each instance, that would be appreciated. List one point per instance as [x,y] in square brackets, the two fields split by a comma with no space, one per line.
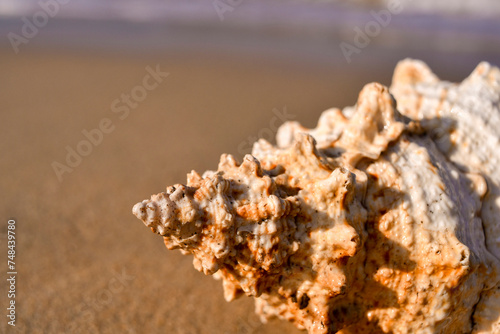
[85,263]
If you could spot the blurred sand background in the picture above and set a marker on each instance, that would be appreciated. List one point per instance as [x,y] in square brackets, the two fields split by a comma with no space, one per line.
[85,263]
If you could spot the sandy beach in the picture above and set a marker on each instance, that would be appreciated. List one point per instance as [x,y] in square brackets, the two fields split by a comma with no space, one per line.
[75,161]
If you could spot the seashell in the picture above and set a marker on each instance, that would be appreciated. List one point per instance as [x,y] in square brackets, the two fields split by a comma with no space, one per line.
[368,223]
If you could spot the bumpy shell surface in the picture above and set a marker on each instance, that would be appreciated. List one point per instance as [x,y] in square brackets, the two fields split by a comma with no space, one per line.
[365,224]
[464,121]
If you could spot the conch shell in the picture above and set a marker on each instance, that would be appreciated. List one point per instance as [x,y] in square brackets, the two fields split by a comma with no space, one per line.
[369,223]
